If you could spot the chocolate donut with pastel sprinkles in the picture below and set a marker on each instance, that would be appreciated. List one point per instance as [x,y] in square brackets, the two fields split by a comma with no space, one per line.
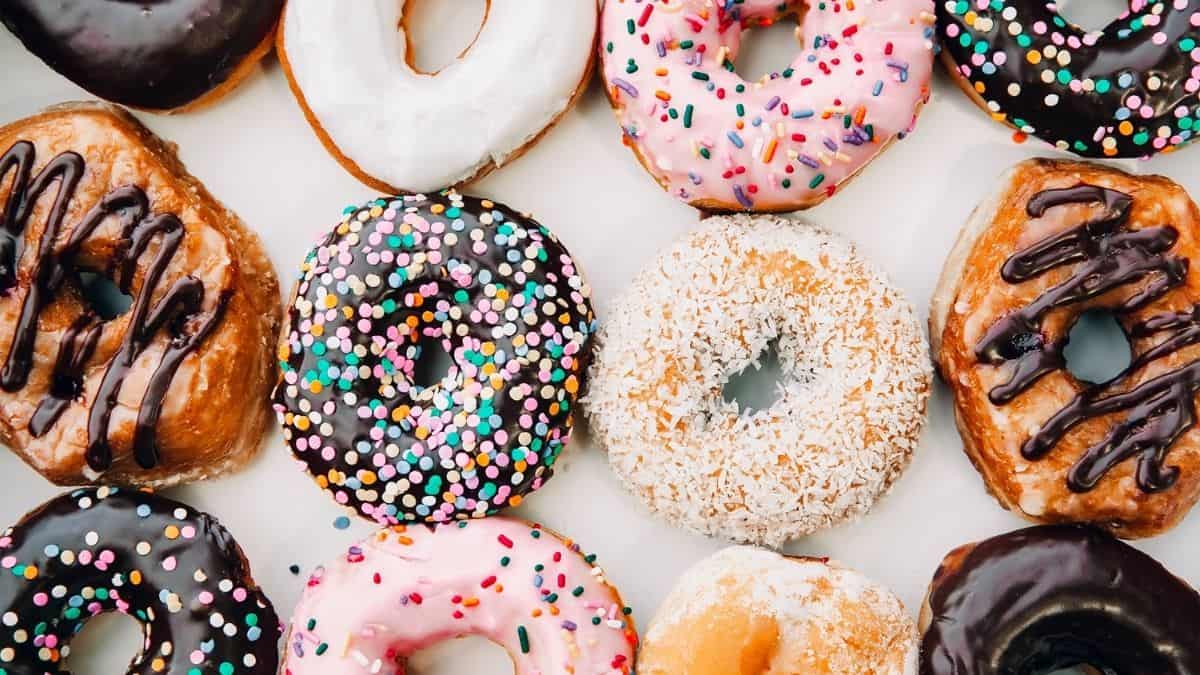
[787,141]
[1128,90]
[175,570]
[407,588]
[495,290]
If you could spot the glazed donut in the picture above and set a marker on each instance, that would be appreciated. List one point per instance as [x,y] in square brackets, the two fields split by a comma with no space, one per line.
[399,129]
[175,388]
[491,287]
[786,142]
[850,409]
[165,56]
[754,612]
[175,570]
[1053,597]
[1056,240]
[522,587]
[1129,90]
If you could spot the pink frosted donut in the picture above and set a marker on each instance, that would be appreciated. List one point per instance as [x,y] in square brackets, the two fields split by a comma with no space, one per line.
[787,141]
[404,589]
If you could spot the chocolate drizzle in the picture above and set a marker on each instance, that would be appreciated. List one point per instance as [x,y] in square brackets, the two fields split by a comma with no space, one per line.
[178,310]
[1108,256]
[1047,598]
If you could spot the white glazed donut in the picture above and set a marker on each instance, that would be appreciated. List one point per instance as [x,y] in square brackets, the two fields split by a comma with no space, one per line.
[398,129]
[856,371]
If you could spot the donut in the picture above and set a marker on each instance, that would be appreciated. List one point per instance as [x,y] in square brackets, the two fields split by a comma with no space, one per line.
[172,568]
[398,129]
[162,56]
[1128,90]
[174,388]
[1053,597]
[493,289]
[749,611]
[1056,240]
[526,589]
[850,408]
[787,141]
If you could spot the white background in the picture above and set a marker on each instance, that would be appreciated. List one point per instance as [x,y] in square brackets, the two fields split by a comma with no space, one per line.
[256,153]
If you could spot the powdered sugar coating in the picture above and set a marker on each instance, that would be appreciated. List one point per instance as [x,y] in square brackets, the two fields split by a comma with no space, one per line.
[850,410]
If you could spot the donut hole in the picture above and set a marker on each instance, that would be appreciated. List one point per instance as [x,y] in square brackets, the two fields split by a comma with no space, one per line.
[433,365]
[1092,15]
[1097,348]
[469,654]
[104,645]
[1077,670]
[767,51]
[440,32]
[102,295]
[758,385]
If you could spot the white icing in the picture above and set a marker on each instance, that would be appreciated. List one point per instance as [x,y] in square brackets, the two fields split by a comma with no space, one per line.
[422,132]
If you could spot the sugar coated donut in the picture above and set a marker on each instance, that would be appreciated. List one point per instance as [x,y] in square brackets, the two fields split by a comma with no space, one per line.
[396,128]
[522,587]
[491,287]
[754,612]
[1128,90]
[1054,598]
[850,409]
[172,388]
[172,568]
[787,141]
[165,55]
[1056,240]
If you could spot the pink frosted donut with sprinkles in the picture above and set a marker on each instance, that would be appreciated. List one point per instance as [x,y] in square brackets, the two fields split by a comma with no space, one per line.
[493,289]
[1128,90]
[522,587]
[787,141]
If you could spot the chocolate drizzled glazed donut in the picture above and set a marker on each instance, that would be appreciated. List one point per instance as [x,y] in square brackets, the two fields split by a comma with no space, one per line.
[160,55]
[1053,597]
[1057,240]
[175,570]
[1129,90]
[491,287]
[134,395]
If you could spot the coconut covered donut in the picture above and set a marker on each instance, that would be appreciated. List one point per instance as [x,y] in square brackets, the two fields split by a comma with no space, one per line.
[1058,239]
[849,411]
[398,129]
[787,141]
[753,612]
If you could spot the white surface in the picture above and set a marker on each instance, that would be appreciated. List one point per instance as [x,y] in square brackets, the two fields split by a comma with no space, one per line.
[255,152]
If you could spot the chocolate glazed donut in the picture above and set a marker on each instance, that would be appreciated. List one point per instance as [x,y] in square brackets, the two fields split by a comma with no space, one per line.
[1057,596]
[1127,91]
[156,55]
[175,570]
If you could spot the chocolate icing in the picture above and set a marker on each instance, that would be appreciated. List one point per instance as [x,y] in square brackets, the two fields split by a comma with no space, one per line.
[174,569]
[178,310]
[1051,597]
[1138,63]
[157,54]
[1108,256]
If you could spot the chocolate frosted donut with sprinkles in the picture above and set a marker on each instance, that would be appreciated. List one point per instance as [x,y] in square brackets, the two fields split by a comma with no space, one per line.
[531,592]
[175,570]
[787,141]
[1128,90]
[492,288]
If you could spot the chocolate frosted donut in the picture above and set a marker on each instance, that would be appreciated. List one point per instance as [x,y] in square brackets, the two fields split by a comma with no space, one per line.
[1129,90]
[491,287]
[1057,596]
[172,568]
[159,55]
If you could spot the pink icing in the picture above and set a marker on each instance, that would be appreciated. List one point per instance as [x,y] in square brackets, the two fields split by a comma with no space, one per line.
[406,589]
[864,71]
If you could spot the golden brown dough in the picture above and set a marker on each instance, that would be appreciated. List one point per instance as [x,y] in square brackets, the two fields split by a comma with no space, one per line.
[219,319]
[1131,460]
